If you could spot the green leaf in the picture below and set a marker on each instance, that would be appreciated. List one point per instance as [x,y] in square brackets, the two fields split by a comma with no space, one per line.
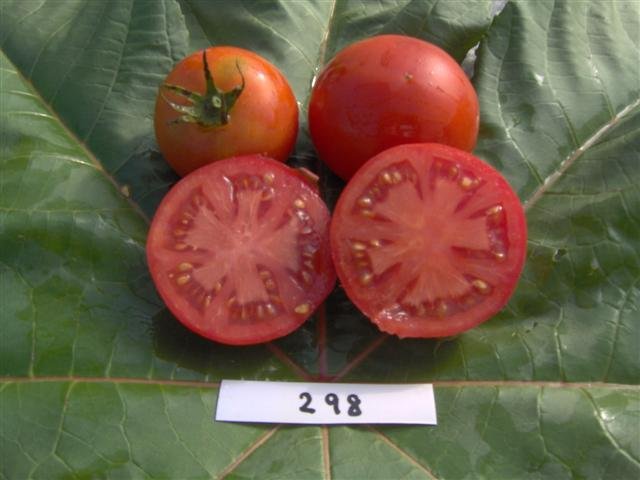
[100,381]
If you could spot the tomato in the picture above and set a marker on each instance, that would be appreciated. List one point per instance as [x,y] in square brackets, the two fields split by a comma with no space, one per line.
[385,91]
[428,240]
[223,102]
[239,250]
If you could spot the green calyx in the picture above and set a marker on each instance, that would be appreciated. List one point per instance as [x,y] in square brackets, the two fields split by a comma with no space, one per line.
[210,109]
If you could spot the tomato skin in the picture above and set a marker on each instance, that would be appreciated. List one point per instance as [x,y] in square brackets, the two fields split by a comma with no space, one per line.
[385,91]
[377,294]
[264,119]
[178,244]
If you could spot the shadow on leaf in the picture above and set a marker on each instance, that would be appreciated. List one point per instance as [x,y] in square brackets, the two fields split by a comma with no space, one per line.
[174,343]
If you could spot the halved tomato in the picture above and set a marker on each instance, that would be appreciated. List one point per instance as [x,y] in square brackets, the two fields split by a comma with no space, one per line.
[239,250]
[428,240]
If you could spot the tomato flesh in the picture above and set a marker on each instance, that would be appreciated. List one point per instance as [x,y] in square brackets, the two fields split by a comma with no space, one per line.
[385,91]
[239,250]
[428,240]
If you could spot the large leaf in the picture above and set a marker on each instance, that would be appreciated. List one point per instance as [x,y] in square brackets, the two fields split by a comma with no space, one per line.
[99,380]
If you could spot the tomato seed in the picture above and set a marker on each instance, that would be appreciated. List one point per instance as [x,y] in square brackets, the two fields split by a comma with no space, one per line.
[467,183]
[185,266]
[386,178]
[302,215]
[302,309]
[366,278]
[365,201]
[495,209]
[442,308]
[180,246]
[268,178]
[299,203]
[481,286]
[358,246]
[183,279]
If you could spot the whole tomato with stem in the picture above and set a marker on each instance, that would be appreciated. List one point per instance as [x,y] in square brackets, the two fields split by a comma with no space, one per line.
[223,102]
[389,90]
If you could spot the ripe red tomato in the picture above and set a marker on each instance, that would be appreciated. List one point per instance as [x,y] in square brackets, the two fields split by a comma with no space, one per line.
[223,102]
[385,91]
[239,250]
[428,240]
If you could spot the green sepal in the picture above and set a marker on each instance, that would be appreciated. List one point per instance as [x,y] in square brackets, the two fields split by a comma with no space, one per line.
[210,109]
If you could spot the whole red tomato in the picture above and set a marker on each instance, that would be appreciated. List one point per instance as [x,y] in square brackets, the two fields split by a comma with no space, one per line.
[223,102]
[385,91]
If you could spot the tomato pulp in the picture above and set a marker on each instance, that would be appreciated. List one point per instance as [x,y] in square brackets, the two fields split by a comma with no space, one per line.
[428,240]
[239,250]
[224,102]
[385,91]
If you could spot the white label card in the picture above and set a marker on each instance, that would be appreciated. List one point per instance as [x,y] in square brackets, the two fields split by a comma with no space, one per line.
[325,403]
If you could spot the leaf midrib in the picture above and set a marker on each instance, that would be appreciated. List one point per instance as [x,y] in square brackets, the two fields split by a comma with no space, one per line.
[214,385]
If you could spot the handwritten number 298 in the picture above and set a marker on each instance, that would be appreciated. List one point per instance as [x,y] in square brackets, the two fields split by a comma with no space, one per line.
[332,400]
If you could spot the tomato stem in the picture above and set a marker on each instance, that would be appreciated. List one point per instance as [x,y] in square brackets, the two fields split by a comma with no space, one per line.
[210,109]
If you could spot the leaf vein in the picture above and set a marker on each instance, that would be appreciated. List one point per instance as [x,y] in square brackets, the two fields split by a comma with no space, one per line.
[551,180]
[606,431]
[618,321]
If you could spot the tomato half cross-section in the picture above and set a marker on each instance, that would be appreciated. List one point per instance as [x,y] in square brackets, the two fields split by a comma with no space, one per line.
[239,250]
[385,91]
[223,102]
[428,240]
